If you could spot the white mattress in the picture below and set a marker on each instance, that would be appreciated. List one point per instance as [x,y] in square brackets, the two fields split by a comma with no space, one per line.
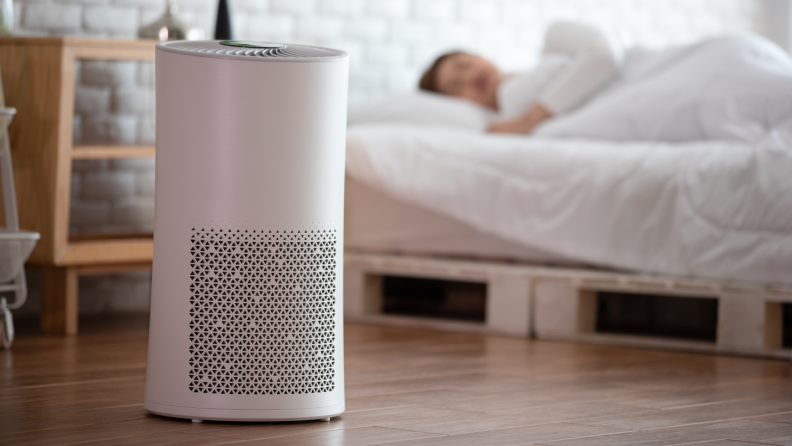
[375,222]
[708,209]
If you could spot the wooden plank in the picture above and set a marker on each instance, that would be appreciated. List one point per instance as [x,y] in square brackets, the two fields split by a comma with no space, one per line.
[747,431]
[95,252]
[114,44]
[32,83]
[115,52]
[87,270]
[616,281]
[63,172]
[509,304]
[354,291]
[634,341]
[587,311]
[106,237]
[774,325]
[93,152]
[31,41]
[728,410]
[59,300]
[741,319]
[363,436]
[425,323]
[373,298]
[109,46]
[557,307]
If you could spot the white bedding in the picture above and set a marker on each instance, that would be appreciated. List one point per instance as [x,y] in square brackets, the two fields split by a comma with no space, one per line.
[720,209]
[734,87]
[377,223]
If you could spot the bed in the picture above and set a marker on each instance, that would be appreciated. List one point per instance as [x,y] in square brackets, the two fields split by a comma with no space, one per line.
[546,222]
[711,209]
[676,180]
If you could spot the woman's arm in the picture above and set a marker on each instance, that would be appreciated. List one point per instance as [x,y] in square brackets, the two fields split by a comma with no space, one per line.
[523,124]
[595,62]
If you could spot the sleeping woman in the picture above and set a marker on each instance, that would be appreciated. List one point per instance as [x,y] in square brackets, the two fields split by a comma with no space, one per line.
[735,87]
[579,62]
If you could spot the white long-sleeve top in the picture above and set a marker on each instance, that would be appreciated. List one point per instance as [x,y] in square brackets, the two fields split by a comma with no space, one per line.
[579,61]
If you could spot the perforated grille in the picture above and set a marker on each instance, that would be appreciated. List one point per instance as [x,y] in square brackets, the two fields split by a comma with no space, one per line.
[262,311]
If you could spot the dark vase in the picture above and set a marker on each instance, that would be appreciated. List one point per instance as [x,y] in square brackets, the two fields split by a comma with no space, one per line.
[223,30]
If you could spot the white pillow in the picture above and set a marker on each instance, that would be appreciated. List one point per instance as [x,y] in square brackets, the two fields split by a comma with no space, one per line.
[424,108]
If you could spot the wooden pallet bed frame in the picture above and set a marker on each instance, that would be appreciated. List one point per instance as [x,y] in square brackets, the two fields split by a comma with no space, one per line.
[560,303]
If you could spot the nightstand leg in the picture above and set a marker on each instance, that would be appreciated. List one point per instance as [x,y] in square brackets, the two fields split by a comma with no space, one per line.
[59,288]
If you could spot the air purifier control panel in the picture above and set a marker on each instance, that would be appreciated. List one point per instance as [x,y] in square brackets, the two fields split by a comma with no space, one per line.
[251,44]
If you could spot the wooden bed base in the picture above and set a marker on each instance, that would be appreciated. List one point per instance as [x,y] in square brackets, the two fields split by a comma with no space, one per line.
[560,303]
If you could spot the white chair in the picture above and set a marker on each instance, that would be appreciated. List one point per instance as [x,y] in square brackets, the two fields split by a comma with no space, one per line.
[15,244]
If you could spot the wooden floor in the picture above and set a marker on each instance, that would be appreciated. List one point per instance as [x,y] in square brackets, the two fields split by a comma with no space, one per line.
[410,387]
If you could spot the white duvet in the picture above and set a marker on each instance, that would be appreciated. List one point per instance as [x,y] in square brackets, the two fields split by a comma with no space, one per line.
[715,209]
[734,87]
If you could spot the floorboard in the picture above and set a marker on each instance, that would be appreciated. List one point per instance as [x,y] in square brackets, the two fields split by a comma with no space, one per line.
[411,387]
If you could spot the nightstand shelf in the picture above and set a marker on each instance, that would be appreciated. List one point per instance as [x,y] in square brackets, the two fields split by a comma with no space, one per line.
[93,152]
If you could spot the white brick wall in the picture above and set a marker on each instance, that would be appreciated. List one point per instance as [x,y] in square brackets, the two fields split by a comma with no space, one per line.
[52,18]
[292,6]
[107,74]
[270,26]
[509,31]
[434,10]
[112,20]
[347,8]
[390,42]
[391,9]
[317,28]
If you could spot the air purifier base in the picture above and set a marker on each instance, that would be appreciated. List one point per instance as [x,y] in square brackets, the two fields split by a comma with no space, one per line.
[249,415]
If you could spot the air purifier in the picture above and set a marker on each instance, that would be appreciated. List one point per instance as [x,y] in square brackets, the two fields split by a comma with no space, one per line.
[246,300]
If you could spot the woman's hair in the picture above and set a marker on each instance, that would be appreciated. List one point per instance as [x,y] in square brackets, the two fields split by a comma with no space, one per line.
[428,81]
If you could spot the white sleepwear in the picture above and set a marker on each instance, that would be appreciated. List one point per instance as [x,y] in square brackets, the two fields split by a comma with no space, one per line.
[579,61]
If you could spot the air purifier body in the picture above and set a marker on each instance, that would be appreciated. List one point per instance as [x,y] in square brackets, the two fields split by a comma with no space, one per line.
[246,299]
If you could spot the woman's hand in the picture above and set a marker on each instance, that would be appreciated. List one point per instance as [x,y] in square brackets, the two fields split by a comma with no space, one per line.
[519,126]
[525,123]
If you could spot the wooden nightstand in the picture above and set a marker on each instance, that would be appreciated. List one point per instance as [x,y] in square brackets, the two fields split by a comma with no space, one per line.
[39,80]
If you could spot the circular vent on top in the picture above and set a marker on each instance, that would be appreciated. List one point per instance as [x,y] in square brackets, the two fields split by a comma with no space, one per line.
[251,44]
[260,52]
[252,49]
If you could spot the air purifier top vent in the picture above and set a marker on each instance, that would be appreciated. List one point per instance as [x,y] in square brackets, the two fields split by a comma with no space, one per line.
[252,50]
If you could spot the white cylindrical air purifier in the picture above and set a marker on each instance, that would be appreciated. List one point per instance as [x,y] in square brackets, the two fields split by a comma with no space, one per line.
[246,300]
